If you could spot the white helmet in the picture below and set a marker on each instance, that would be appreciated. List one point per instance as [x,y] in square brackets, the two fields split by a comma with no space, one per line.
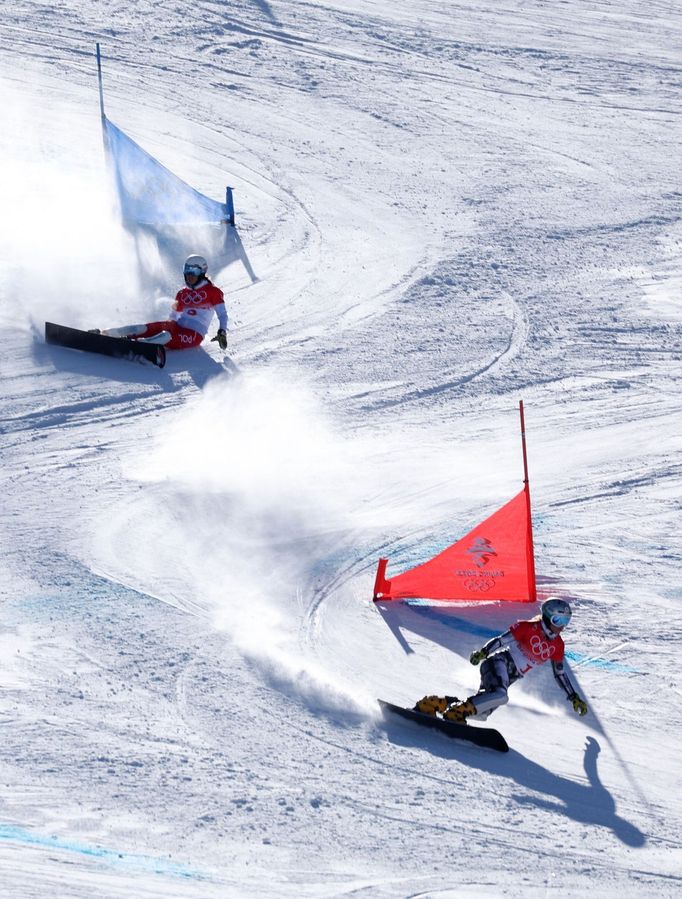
[195,265]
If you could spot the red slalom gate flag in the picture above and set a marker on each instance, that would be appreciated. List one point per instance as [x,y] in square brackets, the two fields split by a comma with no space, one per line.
[494,561]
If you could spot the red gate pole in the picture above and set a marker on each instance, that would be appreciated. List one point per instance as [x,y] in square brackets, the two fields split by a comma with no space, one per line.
[531,553]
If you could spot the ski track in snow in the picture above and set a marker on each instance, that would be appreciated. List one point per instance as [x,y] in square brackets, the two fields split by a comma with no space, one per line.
[441,210]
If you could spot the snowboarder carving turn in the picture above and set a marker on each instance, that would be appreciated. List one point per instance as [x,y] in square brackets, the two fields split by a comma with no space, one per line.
[190,315]
[507,658]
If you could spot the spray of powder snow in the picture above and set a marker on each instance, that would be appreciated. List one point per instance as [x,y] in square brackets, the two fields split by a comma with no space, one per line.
[61,242]
[252,499]
[245,496]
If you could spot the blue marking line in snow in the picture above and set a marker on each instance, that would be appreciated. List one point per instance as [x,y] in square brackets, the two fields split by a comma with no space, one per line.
[13,833]
[477,630]
[581,659]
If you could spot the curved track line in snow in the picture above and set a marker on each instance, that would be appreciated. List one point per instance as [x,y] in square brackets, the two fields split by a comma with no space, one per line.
[515,342]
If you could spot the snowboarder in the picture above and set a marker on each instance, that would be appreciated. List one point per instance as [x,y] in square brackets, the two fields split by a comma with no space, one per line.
[506,659]
[190,314]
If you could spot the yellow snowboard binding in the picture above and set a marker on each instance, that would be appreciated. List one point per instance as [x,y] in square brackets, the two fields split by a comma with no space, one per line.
[431,705]
[459,712]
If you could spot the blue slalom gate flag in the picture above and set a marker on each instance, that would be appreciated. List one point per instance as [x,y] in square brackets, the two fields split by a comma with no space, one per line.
[150,194]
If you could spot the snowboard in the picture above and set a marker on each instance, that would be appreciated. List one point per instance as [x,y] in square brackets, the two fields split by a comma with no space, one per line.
[118,347]
[481,736]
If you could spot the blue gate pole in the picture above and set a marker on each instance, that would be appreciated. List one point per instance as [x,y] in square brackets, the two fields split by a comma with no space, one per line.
[229,202]
[99,79]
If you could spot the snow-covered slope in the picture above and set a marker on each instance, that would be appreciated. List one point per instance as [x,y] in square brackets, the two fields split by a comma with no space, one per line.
[442,208]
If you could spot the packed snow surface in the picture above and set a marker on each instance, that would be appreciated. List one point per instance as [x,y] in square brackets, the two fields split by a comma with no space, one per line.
[442,209]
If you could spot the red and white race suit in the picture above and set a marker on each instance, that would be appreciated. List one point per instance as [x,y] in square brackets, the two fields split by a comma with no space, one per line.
[194,307]
[531,646]
[514,653]
[188,320]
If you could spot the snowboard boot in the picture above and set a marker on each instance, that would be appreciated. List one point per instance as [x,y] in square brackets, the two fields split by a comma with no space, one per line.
[429,705]
[459,712]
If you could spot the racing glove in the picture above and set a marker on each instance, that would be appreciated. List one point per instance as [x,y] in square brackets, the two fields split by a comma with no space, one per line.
[579,705]
[478,656]
[221,337]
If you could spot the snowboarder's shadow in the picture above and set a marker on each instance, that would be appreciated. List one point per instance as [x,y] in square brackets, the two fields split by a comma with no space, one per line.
[196,365]
[65,359]
[588,803]
[199,366]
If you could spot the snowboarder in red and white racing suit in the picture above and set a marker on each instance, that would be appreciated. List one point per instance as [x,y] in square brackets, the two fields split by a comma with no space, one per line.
[506,659]
[190,315]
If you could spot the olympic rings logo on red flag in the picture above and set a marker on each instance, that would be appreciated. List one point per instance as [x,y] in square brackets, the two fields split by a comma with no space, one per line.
[479,584]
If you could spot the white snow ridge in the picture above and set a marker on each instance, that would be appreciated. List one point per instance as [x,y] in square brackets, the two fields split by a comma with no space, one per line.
[441,209]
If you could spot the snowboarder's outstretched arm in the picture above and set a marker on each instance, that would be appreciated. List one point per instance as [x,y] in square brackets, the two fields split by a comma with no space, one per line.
[221,311]
[564,681]
[500,642]
[221,336]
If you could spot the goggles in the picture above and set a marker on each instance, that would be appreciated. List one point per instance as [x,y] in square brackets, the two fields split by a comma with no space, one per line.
[192,270]
[559,619]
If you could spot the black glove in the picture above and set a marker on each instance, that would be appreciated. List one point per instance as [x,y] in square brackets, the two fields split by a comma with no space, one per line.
[478,656]
[221,337]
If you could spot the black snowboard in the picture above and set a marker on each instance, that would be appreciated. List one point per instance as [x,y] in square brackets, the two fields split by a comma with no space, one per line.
[119,347]
[481,736]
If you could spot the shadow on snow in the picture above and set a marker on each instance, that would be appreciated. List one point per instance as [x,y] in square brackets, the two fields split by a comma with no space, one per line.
[196,364]
[590,803]
[161,252]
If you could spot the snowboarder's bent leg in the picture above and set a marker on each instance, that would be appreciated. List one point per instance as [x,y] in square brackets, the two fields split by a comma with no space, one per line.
[485,703]
[152,330]
[179,338]
[495,680]
[162,338]
[125,331]
[183,338]
[167,333]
